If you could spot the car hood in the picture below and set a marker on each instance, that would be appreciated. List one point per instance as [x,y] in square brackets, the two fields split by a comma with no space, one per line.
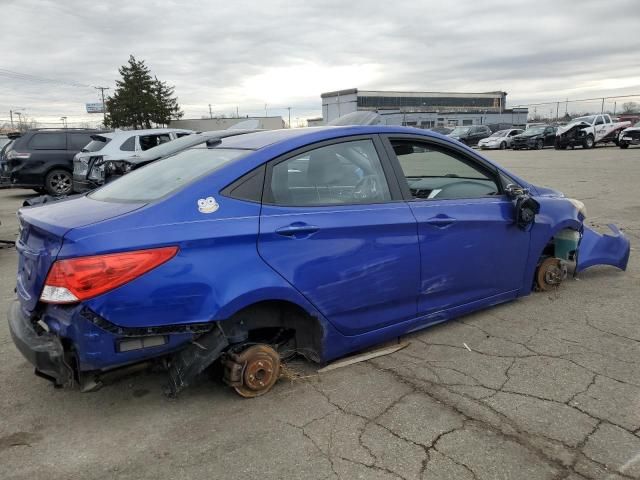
[548,192]
[572,126]
[528,135]
[631,129]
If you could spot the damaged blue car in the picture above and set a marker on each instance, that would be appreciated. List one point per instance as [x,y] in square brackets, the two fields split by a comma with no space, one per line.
[249,248]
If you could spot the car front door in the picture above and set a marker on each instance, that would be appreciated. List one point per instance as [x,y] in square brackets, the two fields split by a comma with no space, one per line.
[472,252]
[474,136]
[549,136]
[599,128]
[335,226]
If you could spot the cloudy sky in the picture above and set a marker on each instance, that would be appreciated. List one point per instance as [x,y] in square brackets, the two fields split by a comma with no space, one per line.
[248,54]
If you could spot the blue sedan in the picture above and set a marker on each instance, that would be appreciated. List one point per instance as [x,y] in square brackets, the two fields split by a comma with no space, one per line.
[246,249]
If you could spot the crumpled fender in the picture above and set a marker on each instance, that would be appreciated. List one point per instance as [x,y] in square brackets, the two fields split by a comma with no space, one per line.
[597,249]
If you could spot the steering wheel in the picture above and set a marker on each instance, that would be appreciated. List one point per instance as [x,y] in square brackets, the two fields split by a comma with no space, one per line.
[366,188]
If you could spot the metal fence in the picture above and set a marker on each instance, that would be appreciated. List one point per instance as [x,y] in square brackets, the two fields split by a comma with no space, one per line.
[564,110]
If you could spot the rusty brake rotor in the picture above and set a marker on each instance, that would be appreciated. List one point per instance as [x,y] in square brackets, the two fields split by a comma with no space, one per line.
[550,273]
[253,371]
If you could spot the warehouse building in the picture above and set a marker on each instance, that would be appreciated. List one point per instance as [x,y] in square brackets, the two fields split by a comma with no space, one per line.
[424,109]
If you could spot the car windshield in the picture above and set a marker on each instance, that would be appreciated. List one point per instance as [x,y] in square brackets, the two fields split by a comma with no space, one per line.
[165,176]
[588,119]
[500,133]
[460,130]
[535,130]
[96,144]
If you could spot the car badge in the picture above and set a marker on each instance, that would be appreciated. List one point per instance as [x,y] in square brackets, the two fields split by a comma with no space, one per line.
[207,205]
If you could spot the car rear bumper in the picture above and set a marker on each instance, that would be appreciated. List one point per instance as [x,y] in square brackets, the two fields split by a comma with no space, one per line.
[78,342]
[82,185]
[43,350]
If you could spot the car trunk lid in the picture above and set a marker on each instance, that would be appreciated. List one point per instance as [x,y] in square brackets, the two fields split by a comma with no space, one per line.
[42,231]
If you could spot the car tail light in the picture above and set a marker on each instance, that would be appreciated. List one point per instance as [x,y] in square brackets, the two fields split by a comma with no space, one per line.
[13,155]
[77,279]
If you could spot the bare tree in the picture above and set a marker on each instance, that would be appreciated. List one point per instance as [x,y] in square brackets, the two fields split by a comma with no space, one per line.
[630,107]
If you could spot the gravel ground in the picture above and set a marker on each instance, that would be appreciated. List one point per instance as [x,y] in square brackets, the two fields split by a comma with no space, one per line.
[549,390]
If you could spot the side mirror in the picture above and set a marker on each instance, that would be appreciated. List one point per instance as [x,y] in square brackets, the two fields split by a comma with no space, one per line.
[514,191]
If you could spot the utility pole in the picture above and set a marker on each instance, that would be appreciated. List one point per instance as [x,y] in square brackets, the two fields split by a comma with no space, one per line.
[557,110]
[237,112]
[104,107]
[11,117]
[64,122]
[602,108]
[289,108]
[265,110]
[210,113]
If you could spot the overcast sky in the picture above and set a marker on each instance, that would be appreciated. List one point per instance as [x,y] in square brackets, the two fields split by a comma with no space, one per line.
[236,53]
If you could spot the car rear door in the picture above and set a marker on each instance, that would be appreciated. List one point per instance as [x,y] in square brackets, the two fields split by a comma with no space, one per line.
[335,226]
[471,249]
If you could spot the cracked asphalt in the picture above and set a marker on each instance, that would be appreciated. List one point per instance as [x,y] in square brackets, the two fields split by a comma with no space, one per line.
[550,388]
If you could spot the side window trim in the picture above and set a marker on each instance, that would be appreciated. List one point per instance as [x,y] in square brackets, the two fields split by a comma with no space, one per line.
[492,171]
[393,182]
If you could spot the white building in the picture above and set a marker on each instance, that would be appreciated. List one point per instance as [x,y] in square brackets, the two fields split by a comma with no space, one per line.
[424,109]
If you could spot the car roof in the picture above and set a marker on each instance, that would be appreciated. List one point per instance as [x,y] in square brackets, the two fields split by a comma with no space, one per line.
[148,131]
[258,140]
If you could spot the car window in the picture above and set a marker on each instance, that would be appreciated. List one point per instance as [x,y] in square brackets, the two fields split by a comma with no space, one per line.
[96,144]
[436,173]
[343,173]
[129,145]
[167,175]
[77,141]
[48,141]
[599,120]
[150,141]
[182,134]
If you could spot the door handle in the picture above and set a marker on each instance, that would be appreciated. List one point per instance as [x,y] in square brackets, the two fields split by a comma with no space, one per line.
[297,229]
[441,221]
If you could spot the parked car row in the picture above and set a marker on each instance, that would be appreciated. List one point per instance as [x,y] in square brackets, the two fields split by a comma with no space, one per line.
[586,132]
[43,159]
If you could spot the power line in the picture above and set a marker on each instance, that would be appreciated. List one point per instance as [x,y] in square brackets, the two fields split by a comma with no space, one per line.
[27,77]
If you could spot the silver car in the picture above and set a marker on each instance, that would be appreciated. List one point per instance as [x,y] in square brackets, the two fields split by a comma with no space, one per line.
[499,140]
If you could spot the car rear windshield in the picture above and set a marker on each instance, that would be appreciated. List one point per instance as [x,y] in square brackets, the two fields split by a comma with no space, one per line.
[96,144]
[167,175]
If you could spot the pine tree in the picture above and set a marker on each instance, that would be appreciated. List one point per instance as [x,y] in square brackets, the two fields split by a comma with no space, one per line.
[140,100]
[167,107]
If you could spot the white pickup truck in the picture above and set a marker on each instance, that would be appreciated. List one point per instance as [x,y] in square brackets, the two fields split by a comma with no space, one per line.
[589,130]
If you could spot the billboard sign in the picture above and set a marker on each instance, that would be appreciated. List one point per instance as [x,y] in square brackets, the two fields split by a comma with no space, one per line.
[97,107]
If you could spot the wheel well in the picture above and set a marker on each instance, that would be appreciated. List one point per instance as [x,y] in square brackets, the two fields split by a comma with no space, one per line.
[561,245]
[58,167]
[278,315]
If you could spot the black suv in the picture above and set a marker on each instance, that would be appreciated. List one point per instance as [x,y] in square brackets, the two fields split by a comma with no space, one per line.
[42,159]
